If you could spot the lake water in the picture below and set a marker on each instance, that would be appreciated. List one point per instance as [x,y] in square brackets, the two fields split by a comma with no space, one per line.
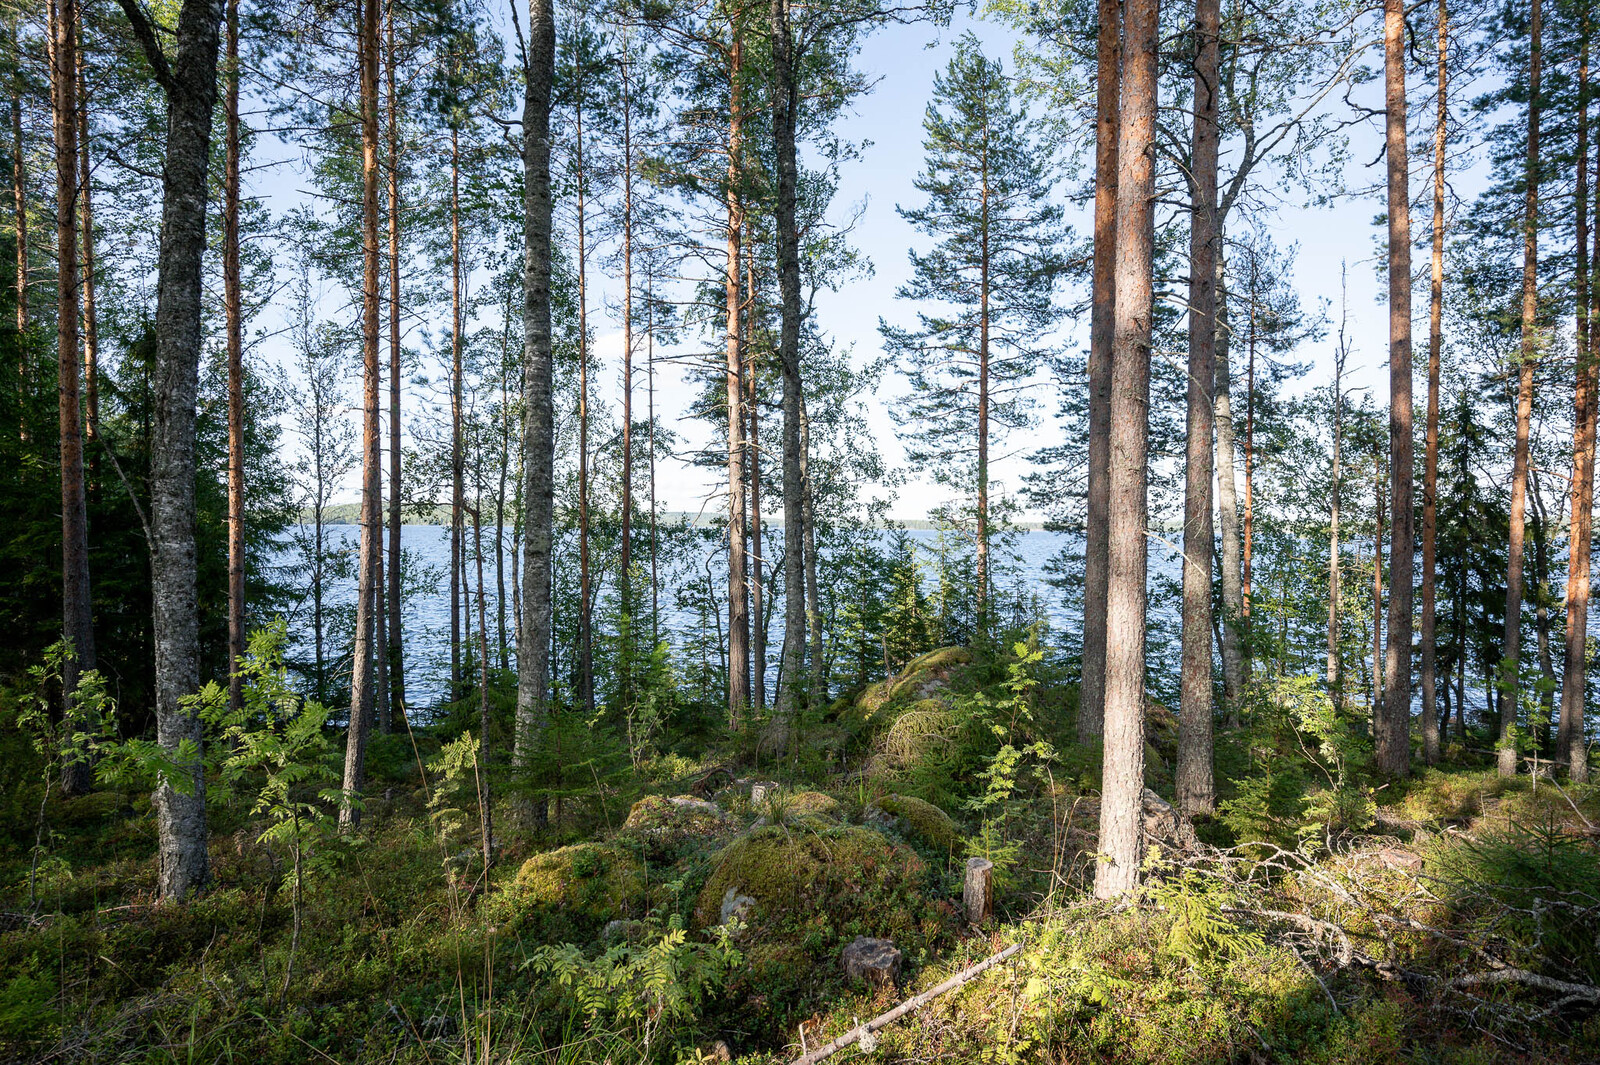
[1022,570]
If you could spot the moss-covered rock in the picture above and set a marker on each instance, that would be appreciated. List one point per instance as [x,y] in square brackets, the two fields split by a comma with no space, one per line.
[926,677]
[586,881]
[805,804]
[665,825]
[845,877]
[917,820]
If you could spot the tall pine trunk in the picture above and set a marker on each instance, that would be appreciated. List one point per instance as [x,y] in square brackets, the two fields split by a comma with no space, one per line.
[232,301]
[1233,666]
[396,631]
[19,189]
[1123,773]
[538,445]
[371,543]
[1570,742]
[625,561]
[817,690]
[785,99]
[457,471]
[91,329]
[1336,501]
[585,574]
[758,626]
[1430,469]
[1108,77]
[1508,680]
[738,578]
[1392,739]
[1377,591]
[77,608]
[189,82]
[1195,784]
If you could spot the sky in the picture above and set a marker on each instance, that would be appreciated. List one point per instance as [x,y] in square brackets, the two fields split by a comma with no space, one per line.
[903,60]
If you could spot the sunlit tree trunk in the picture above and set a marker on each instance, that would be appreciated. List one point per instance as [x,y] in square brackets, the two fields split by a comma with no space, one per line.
[1123,771]
[1570,741]
[1392,739]
[1430,469]
[1108,47]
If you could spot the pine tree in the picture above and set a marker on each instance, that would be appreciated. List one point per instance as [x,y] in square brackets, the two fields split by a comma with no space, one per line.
[988,283]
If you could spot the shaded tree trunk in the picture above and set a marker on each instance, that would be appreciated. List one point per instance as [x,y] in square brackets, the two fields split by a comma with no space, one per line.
[91,329]
[19,190]
[1377,590]
[1233,668]
[458,552]
[1196,786]
[785,98]
[232,301]
[1123,774]
[189,83]
[371,544]
[1511,656]
[738,577]
[817,689]
[77,608]
[538,443]
[585,573]
[758,627]
[1392,739]
[396,633]
[1091,696]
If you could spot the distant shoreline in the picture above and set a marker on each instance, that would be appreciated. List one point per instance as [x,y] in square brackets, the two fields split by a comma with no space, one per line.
[350,513]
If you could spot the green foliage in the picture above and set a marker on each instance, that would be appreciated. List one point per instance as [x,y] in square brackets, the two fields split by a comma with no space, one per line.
[1532,887]
[644,990]
[1200,933]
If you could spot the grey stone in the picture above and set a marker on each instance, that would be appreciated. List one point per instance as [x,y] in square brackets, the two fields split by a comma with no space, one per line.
[736,907]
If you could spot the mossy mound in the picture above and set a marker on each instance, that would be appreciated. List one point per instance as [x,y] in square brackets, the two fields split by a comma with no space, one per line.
[667,825]
[807,804]
[922,678]
[585,882]
[851,879]
[917,820]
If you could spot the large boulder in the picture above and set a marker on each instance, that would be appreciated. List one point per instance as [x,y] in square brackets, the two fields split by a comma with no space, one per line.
[667,825]
[916,819]
[847,878]
[779,808]
[586,882]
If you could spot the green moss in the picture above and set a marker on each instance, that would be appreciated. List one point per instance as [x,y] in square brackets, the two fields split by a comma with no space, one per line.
[592,881]
[665,827]
[921,821]
[842,873]
[813,804]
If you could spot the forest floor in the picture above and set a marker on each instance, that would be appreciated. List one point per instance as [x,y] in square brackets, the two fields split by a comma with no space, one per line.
[692,914]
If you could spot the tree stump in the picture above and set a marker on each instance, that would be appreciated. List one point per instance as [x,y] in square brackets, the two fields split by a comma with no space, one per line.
[977,892]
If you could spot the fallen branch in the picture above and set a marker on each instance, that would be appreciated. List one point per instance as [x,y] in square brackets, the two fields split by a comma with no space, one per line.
[1508,975]
[883,1020]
